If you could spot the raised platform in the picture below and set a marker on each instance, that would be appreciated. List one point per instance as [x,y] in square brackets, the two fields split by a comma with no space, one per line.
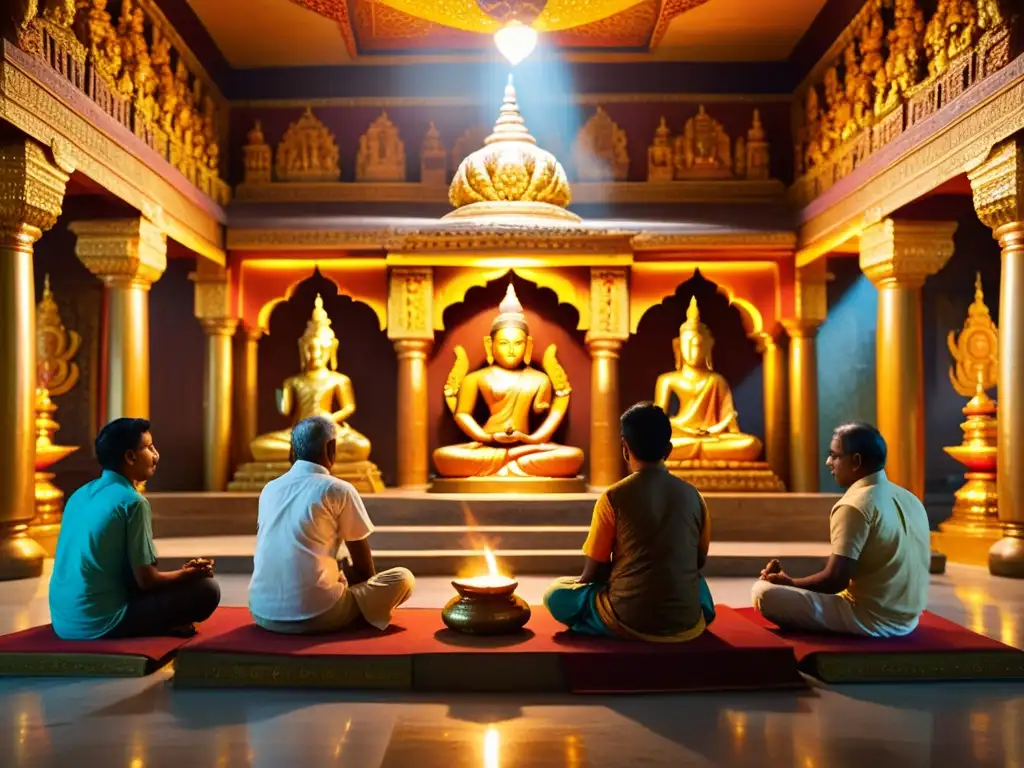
[364,475]
[441,534]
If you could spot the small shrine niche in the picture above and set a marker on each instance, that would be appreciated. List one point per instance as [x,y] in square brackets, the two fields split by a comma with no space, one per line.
[307,152]
[703,150]
[600,150]
[381,152]
[433,159]
[469,141]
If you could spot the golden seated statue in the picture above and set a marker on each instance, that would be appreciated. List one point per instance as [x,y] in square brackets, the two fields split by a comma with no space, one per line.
[708,448]
[311,393]
[505,455]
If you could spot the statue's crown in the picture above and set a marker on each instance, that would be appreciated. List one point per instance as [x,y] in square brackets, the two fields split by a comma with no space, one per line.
[510,312]
[319,324]
[693,322]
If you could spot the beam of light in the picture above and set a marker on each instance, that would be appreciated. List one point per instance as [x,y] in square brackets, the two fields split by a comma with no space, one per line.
[492,564]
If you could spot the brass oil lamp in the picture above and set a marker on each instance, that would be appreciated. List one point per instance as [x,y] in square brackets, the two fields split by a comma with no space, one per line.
[487,604]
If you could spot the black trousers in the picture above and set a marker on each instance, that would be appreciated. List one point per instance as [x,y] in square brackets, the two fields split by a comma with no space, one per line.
[162,610]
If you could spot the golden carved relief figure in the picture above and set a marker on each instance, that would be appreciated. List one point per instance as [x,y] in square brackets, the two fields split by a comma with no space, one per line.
[660,165]
[256,155]
[307,152]
[758,152]
[313,392]
[381,154]
[704,149]
[705,428]
[813,154]
[433,159]
[600,150]
[505,446]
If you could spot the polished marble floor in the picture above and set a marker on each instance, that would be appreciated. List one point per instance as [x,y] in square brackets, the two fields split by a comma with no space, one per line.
[145,722]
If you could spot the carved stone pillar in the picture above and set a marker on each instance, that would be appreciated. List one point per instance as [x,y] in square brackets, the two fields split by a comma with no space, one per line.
[128,255]
[30,203]
[776,426]
[998,185]
[609,328]
[246,426]
[811,307]
[214,311]
[411,330]
[898,256]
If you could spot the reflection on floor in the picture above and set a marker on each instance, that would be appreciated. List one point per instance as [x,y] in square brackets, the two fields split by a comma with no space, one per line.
[144,722]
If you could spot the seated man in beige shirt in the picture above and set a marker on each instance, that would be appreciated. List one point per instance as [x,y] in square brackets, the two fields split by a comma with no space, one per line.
[875,583]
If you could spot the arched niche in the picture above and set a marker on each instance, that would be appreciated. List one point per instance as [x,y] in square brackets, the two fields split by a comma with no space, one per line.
[751,287]
[737,330]
[365,355]
[571,286]
[263,283]
[550,320]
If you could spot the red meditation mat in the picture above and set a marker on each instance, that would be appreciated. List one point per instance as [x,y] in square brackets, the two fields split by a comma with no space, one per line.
[39,652]
[418,653]
[938,649]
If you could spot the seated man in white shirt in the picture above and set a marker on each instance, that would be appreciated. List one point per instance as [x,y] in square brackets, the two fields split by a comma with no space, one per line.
[297,585]
[875,583]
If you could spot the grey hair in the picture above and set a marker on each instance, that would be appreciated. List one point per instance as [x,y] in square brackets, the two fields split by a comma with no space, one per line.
[311,436]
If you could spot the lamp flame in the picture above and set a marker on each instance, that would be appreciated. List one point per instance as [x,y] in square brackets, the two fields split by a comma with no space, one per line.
[492,564]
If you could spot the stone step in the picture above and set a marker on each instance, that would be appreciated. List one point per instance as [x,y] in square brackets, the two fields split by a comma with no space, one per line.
[782,517]
[234,554]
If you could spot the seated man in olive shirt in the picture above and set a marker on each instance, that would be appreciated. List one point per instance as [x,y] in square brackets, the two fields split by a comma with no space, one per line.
[648,541]
[875,582]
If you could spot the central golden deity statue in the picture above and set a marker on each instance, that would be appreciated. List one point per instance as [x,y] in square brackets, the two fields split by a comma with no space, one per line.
[705,427]
[504,448]
[314,392]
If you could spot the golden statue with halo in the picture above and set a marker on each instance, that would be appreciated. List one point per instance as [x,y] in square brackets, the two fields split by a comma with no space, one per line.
[708,448]
[313,392]
[505,454]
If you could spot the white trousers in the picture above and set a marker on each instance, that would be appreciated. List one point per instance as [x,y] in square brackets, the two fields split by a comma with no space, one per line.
[793,608]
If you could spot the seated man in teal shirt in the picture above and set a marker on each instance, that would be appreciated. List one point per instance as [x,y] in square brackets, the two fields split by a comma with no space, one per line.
[105,582]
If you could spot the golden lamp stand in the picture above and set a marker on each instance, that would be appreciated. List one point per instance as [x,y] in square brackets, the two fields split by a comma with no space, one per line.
[56,374]
[974,525]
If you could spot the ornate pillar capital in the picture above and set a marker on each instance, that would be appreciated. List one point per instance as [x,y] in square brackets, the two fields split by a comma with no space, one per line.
[122,252]
[213,297]
[32,193]
[219,326]
[998,185]
[801,327]
[609,307]
[810,294]
[411,304]
[899,253]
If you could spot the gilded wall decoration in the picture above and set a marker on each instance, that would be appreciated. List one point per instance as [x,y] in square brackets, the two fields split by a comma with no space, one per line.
[381,154]
[139,80]
[705,151]
[433,159]
[307,152]
[893,67]
[599,152]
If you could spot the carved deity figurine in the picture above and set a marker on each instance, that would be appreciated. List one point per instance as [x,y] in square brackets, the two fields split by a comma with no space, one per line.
[433,159]
[705,427]
[505,446]
[660,166]
[704,149]
[313,392]
[813,151]
[307,151]
[600,150]
[758,153]
[256,155]
[381,154]
[902,68]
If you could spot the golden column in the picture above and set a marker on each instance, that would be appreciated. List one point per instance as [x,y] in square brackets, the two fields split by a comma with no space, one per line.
[30,203]
[811,306]
[411,330]
[609,328]
[998,185]
[128,255]
[898,256]
[246,402]
[213,309]
[776,427]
